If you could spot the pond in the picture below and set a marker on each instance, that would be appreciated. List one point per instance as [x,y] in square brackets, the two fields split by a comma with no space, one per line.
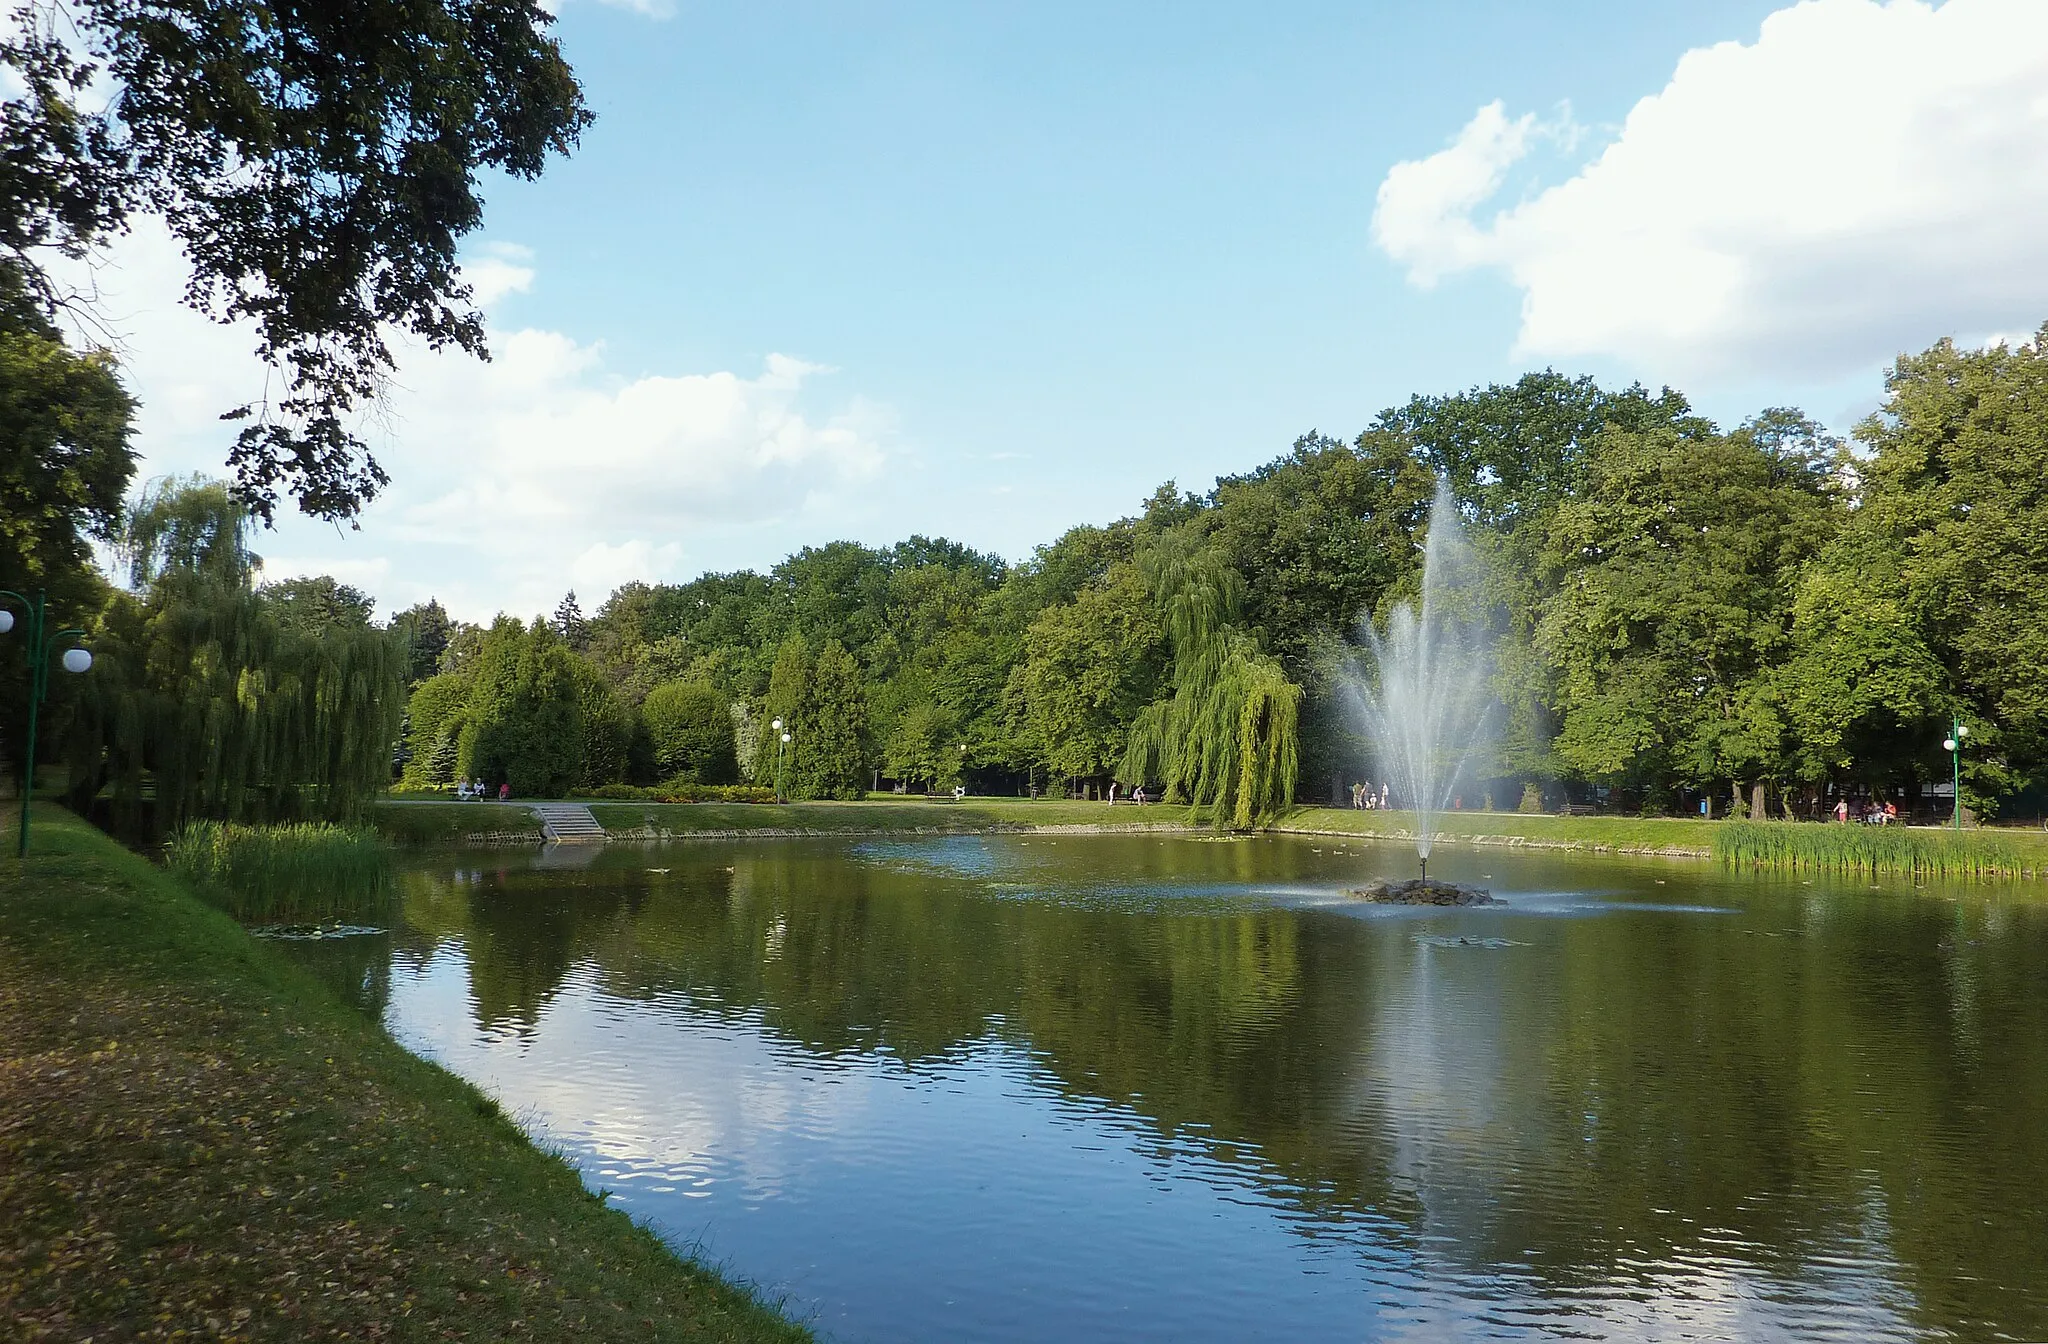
[1027,1087]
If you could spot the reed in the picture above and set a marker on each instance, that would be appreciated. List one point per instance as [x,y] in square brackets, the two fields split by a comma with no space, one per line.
[309,871]
[1874,849]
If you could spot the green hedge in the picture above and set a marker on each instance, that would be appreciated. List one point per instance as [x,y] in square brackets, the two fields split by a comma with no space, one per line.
[678,791]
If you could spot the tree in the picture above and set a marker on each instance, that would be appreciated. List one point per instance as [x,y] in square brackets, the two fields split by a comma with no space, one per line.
[690,726]
[312,606]
[607,725]
[1089,666]
[925,746]
[425,628]
[523,725]
[834,764]
[570,624]
[787,701]
[1227,738]
[465,644]
[1862,692]
[434,717]
[65,464]
[203,704]
[1512,452]
[1321,534]
[1952,489]
[1672,574]
[320,165]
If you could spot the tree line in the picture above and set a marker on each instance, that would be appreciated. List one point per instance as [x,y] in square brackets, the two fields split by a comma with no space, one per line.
[1758,617]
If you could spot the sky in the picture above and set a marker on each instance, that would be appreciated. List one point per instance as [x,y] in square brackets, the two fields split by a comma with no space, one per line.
[849,270]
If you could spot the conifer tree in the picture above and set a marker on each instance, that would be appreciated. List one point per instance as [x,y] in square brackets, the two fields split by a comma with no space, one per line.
[835,764]
[570,623]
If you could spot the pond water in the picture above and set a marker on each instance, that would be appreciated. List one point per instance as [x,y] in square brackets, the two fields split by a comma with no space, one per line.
[1033,1087]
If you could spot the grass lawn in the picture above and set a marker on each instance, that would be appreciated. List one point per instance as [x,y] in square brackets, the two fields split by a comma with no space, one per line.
[1631,835]
[438,823]
[883,813]
[196,1140]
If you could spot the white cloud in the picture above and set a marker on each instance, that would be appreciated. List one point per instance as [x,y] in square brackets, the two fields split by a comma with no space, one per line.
[604,567]
[518,478]
[1860,179]
[1424,214]
[368,573]
[496,270]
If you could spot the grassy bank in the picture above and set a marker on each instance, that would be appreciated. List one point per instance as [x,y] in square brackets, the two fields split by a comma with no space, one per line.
[196,1140]
[408,823]
[894,815]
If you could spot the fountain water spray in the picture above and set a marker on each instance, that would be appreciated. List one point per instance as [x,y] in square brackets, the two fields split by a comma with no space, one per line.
[1424,698]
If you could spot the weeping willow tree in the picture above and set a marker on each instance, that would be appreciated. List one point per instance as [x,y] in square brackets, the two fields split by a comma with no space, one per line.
[1226,740]
[202,705]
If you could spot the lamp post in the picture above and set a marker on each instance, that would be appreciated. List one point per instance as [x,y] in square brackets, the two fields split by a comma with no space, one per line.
[781,793]
[41,649]
[1953,745]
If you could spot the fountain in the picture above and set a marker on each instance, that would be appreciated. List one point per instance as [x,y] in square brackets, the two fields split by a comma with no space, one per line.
[1424,699]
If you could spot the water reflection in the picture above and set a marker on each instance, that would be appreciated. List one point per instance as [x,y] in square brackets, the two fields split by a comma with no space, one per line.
[1111,1087]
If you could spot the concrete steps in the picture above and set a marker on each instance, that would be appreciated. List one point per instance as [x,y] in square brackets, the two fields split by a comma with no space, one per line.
[569,823]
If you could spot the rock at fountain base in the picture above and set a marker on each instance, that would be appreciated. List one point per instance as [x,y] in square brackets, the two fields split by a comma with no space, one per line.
[1423,891]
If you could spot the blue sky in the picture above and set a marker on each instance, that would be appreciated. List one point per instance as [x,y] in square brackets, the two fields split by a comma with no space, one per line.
[862,270]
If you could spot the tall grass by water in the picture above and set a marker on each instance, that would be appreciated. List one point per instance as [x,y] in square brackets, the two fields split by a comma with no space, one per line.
[307,871]
[1876,849]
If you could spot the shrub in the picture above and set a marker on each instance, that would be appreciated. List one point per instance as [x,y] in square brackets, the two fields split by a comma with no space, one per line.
[681,791]
[690,725]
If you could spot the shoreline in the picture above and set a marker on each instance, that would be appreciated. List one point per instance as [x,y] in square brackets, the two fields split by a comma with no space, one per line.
[2017,852]
[200,1138]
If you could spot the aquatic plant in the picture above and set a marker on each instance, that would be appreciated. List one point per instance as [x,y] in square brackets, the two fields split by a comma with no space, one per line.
[1873,849]
[309,870]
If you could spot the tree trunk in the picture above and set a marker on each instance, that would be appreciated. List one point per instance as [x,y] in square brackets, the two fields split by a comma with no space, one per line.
[1757,810]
